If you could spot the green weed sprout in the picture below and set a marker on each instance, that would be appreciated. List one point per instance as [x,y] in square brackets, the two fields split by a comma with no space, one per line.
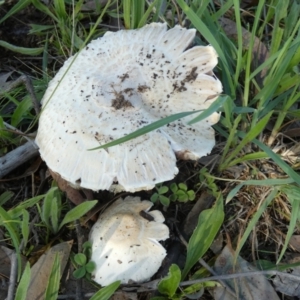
[84,266]
[179,193]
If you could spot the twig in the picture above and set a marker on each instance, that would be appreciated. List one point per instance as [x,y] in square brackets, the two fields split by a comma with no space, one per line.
[18,156]
[238,275]
[13,274]
[28,84]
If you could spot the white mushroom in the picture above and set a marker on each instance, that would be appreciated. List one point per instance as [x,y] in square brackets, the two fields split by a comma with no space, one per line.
[125,242]
[116,85]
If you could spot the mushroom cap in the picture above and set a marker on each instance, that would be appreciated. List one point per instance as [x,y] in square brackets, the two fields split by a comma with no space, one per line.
[117,84]
[125,244]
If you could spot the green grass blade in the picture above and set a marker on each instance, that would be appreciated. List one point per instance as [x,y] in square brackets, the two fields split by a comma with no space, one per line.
[203,29]
[106,292]
[23,284]
[52,289]
[54,214]
[7,195]
[143,19]
[22,50]
[209,223]
[266,182]
[77,212]
[157,124]
[16,8]
[292,192]
[25,226]
[127,13]
[254,132]
[17,211]
[210,110]
[254,220]
[277,159]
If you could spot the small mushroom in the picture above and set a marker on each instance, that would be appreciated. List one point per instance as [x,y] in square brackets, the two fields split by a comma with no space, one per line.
[117,84]
[125,242]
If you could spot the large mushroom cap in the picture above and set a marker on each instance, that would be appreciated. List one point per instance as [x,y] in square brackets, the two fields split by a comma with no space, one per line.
[125,243]
[116,85]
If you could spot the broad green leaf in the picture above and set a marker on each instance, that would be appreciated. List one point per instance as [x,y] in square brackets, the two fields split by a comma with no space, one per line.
[209,223]
[164,200]
[182,186]
[80,259]
[170,283]
[90,266]
[106,292]
[77,212]
[7,195]
[163,189]
[23,284]
[191,195]
[79,273]
[174,187]
[54,279]
[154,197]
[22,50]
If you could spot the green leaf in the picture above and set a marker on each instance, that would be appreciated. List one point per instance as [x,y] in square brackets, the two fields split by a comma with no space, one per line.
[46,209]
[174,187]
[52,289]
[173,197]
[80,259]
[23,284]
[157,124]
[22,50]
[77,212]
[79,273]
[255,219]
[54,215]
[182,186]
[22,109]
[154,197]
[292,192]
[7,195]
[170,283]
[90,266]
[106,292]
[17,7]
[182,196]
[163,189]
[191,195]
[164,200]
[209,223]
[25,227]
